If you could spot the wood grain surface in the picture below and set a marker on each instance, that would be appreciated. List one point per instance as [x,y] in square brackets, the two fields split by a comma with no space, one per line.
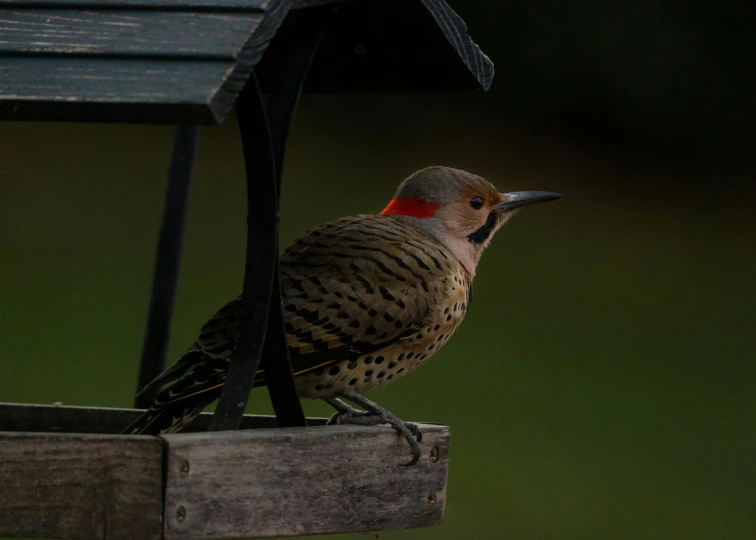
[80,486]
[301,481]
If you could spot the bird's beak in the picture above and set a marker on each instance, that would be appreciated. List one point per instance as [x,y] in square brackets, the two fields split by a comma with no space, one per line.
[518,199]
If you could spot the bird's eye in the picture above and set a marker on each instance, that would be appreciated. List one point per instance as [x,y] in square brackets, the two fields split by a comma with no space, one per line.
[476,202]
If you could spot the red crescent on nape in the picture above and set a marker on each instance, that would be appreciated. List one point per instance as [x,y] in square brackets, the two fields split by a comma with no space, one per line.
[413,206]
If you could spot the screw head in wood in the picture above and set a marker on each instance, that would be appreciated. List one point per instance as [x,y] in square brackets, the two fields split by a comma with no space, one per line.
[434,454]
[184,469]
[180,514]
[431,498]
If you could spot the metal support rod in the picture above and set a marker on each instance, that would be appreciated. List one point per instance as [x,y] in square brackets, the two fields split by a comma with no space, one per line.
[261,257]
[303,39]
[168,258]
[264,132]
[302,42]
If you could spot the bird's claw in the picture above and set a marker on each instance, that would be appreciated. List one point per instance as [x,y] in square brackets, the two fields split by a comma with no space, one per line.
[361,418]
[365,418]
[413,436]
[346,414]
[349,415]
[408,430]
[415,430]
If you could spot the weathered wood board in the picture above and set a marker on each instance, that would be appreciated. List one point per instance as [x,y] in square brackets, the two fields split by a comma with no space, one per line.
[161,61]
[80,486]
[186,61]
[111,33]
[301,481]
[256,482]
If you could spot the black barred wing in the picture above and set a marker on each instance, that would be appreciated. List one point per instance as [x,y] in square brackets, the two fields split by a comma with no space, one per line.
[356,285]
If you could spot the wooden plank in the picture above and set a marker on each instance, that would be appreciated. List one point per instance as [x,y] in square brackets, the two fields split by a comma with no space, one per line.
[132,74]
[142,34]
[80,486]
[92,89]
[163,5]
[367,47]
[301,481]
[66,419]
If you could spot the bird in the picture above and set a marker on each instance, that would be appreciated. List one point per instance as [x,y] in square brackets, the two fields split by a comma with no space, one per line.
[366,299]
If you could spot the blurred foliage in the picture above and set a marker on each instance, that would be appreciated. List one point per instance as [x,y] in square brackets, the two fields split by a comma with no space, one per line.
[603,383]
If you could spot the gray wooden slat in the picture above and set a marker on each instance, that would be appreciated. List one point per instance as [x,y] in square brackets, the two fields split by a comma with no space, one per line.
[301,481]
[86,80]
[183,5]
[366,48]
[80,486]
[99,89]
[25,417]
[125,33]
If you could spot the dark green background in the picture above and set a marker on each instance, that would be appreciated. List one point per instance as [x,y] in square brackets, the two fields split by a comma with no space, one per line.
[602,385]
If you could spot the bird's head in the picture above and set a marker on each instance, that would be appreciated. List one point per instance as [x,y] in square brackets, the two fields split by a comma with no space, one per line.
[460,209]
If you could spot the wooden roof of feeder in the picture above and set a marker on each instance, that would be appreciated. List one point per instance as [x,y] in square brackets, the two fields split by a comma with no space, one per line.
[186,61]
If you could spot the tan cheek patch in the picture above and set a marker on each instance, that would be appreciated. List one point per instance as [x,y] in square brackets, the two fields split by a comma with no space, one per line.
[462,217]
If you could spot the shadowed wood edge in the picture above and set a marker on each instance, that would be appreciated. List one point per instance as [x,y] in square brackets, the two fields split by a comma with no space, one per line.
[71,419]
[30,417]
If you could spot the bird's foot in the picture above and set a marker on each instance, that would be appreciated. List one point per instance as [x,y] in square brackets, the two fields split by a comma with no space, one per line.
[347,414]
[364,418]
[358,418]
[374,415]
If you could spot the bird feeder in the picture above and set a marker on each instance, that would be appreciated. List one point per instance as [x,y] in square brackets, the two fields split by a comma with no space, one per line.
[66,472]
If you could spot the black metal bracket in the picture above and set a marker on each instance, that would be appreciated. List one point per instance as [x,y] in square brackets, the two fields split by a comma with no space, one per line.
[261,259]
[303,38]
[165,276]
[264,131]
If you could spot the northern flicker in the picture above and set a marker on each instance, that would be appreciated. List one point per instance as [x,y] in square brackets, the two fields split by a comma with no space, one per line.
[366,299]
